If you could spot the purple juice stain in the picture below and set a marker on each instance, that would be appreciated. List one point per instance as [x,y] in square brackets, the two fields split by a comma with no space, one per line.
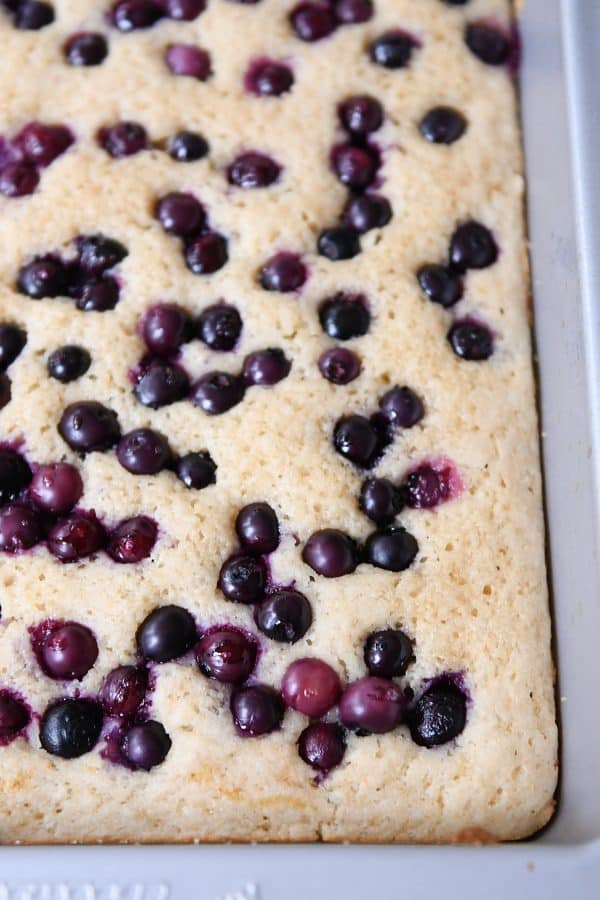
[432,483]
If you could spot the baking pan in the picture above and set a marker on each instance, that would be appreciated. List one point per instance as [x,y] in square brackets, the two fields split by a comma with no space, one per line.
[561,121]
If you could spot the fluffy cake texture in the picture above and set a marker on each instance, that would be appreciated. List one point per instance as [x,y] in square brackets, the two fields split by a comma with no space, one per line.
[474,601]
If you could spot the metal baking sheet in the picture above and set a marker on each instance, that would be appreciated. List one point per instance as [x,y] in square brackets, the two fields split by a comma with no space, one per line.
[561,121]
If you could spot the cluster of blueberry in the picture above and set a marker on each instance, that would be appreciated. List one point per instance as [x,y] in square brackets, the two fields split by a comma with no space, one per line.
[130,15]
[183,216]
[33,148]
[127,138]
[38,504]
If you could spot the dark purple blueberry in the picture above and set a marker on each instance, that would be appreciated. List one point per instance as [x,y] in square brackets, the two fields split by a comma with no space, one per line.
[312,21]
[269,78]
[180,214]
[44,276]
[14,715]
[353,12]
[354,166]
[187,146]
[257,527]
[206,254]
[88,426]
[5,390]
[388,653]
[217,392]
[356,439]
[472,246]
[76,537]
[439,715]
[442,125]
[339,365]
[283,272]
[165,327]
[471,341]
[71,728]
[167,633]
[86,49]
[129,15]
[227,655]
[367,212]
[220,327]
[243,579]
[393,50]
[284,616]
[20,528]
[123,139]
[68,363]
[132,540]
[372,705]
[402,407]
[311,687]
[185,59]
[441,284]
[31,15]
[391,548]
[12,341]
[97,253]
[338,243]
[196,470]
[344,316]
[18,179]
[322,745]
[146,745]
[144,452]
[266,367]
[487,44]
[380,500]
[56,488]
[253,170]
[256,710]
[331,553]
[123,690]
[15,474]
[161,384]
[68,651]
[99,295]
[361,115]
[185,10]
[41,144]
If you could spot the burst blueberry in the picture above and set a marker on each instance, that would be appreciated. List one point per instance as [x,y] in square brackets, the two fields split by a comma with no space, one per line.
[439,715]
[76,537]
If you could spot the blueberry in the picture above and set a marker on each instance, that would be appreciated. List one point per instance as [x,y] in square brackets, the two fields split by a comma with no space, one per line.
[269,78]
[442,125]
[132,540]
[372,705]
[338,243]
[207,253]
[187,60]
[167,633]
[487,44]
[165,327]
[180,214]
[402,407]
[5,390]
[99,295]
[31,15]
[471,341]
[256,710]
[18,179]
[124,690]
[331,553]
[98,253]
[14,715]
[353,12]
[361,115]
[68,651]
[86,49]
[123,139]
[68,363]
[344,316]
[311,687]
[441,284]
[312,21]
[392,548]
[388,653]
[257,527]
[355,166]
[426,486]
[266,367]
[283,272]
[161,384]
[129,15]
[243,579]
[355,438]
[12,341]
[339,365]
[56,488]
[76,537]
[185,10]
[217,392]
[253,170]
[196,470]
[472,246]
[88,426]
[284,616]
[71,728]
[380,500]
[41,144]
[144,452]
[45,276]
[366,212]
[322,745]
[146,745]
[227,655]
[392,50]
[15,474]
[187,146]
[220,327]
[439,715]
[20,528]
